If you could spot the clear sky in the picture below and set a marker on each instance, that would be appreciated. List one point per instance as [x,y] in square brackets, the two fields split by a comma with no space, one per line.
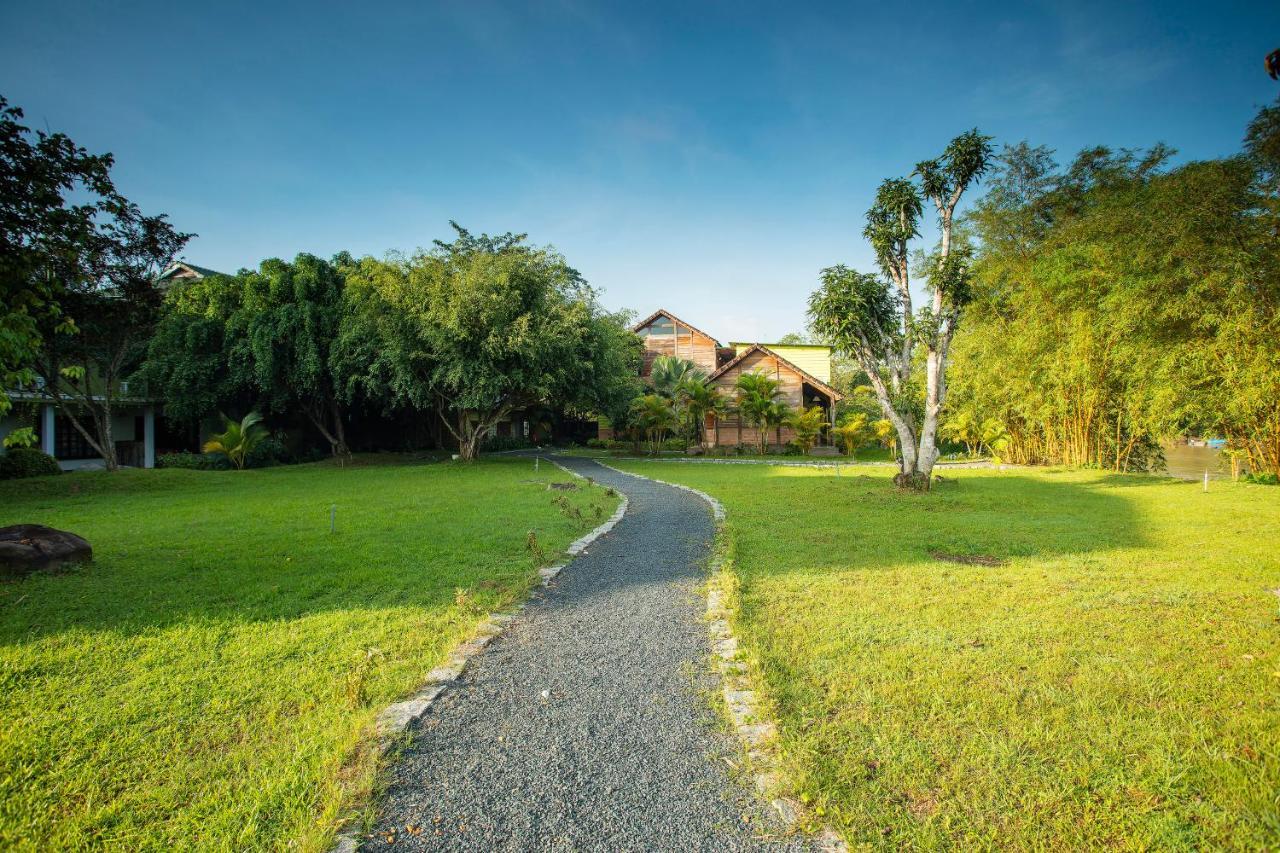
[709,158]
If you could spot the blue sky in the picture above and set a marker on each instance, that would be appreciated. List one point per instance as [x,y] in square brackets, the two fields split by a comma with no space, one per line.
[709,158]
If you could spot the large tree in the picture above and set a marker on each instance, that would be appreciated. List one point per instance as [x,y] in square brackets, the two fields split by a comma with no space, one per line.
[276,336]
[52,193]
[480,327]
[871,318]
[112,290]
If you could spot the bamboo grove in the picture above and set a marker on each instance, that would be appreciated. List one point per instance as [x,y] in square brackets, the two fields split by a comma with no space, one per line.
[1121,300]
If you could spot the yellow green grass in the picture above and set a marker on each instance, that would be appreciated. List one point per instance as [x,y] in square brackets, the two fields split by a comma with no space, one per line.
[211,681]
[1116,683]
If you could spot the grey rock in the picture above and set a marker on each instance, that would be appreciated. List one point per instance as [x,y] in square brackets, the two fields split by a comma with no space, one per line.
[27,548]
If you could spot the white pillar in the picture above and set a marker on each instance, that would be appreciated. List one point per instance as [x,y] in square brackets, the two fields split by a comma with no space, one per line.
[48,419]
[149,438]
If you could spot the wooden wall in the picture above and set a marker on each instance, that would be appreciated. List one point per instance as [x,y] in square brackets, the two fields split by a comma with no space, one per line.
[791,386]
[678,340]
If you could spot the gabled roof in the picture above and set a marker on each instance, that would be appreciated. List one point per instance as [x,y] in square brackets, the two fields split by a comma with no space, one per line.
[804,374]
[663,312]
[178,266]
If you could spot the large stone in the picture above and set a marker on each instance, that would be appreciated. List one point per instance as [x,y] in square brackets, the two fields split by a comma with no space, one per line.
[27,548]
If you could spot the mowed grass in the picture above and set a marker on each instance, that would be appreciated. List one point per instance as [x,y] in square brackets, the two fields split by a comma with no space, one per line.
[1115,684]
[212,680]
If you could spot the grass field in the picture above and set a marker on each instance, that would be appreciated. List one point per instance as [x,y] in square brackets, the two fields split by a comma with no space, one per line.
[211,680]
[1115,683]
[876,455]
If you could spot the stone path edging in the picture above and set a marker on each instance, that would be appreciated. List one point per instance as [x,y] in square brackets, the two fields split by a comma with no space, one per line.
[393,720]
[758,734]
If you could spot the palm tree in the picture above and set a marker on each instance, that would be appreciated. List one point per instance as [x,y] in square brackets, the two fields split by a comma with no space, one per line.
[756,394]
[239,439]
[855,430]
[696,400]
[668,373]
[807,425]
[653,415]
[776,414]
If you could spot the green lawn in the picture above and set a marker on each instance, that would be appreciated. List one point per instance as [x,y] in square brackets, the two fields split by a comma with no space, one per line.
[877,455]
[212,680]
[1116,683]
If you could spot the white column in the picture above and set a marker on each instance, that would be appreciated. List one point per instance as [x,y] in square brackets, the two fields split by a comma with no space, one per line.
[149,438]
[48,419]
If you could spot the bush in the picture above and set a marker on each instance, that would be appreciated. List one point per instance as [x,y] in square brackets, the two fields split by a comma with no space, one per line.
[20,462]
[613,444]
[192,461]
[506,442]
[267,452]
[1256,479]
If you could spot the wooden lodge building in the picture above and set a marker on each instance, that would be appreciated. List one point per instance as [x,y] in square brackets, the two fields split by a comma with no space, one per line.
[803,372]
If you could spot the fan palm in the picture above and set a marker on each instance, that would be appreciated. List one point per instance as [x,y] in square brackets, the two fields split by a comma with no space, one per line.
[668,373]
[239,438]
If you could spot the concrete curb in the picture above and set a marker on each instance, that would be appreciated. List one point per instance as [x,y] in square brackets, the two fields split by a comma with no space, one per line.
[758,734]
[395,719]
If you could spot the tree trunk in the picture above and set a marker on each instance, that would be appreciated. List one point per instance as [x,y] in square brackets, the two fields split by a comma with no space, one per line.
[105,430]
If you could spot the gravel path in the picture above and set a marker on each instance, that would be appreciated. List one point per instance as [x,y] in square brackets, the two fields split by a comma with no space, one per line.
[584,726]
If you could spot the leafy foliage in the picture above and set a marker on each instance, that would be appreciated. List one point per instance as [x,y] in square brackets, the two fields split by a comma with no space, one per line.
[655,417]
[858,315]
[239,439]
[42,236]
[1121,301]
[807,425]
[19,462]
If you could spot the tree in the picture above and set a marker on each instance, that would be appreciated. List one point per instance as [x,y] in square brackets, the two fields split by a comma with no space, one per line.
[238,438]
[295,312]
[668,373]
[807,424]
[275,336]
[1119,301]
[479,327]
[964,428]
[854,431]
[198,359]
[47,241]
[757,404]
[697,400]
[856,313]
[112,290]
[653,415]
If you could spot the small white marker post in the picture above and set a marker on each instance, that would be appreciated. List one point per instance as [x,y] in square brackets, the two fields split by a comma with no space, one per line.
[1206,479]
[536,460]
[333,516]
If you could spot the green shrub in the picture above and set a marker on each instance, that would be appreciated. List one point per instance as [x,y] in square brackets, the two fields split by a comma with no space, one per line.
[21,462]
[1257,479]
[193,461]
[267,452]
[506,442]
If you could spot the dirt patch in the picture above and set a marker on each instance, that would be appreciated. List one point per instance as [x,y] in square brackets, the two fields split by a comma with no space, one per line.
[969,559]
